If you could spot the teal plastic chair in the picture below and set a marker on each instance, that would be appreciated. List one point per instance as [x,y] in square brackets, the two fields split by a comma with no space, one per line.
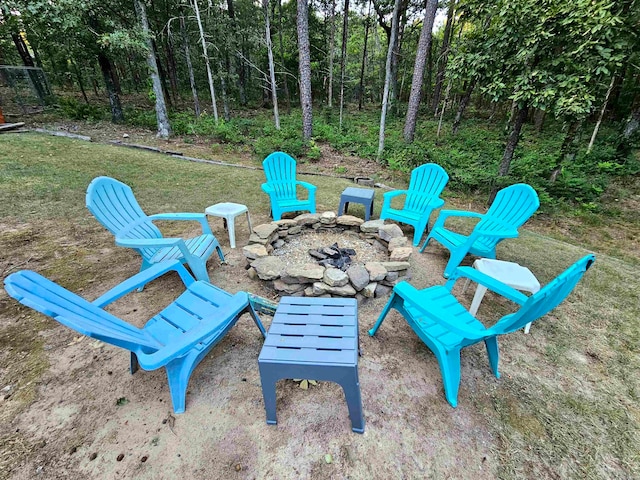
[446,327]
[421,198]
[282,186]
[116,208]
[177,338]
[511,208]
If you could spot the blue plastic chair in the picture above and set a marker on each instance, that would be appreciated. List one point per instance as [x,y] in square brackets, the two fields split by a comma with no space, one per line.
[446,327]
[177,338]
[116,208]
[282,186]
[421,198]
[511,208]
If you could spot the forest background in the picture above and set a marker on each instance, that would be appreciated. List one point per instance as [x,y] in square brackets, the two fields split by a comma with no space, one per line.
[542,92]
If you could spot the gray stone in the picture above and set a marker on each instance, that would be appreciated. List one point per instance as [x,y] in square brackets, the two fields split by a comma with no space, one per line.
[316,254]
[387,232]
[295,230]
[266,230]
[359,276]
[254,251]
[285,224]
[268,268]
[335,277]
[395,266]
[391,276]
[349,220]
[328,218]
[370,290]
[308,292]
[360,298]
[382,290]
[401,254]
[252,273]
[372,226]
[307,218]
[278,243]
[269,248]
[255,239]
[344,291]
[379,246]
[376,270]
[307,273]
[288,288]
[397,242]
[365,181]
[319,288]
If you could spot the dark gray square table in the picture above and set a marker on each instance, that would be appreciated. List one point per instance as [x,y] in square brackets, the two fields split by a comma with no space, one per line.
[316,339]
[357,195]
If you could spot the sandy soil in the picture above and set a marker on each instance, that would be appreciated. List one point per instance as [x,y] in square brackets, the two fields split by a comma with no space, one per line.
[90,418]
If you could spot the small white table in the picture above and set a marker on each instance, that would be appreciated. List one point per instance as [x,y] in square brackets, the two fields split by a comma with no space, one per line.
[229,211]
[510,273]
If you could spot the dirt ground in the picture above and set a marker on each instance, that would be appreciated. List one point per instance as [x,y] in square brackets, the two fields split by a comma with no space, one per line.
[90,418]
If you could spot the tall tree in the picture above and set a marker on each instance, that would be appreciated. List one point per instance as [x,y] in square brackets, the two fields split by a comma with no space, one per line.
[207,63]
[304,55]
[272,71]
[387,78]
[332,40]
[343,58]
[442,58]
[424,45]
[192,79]
[364,58]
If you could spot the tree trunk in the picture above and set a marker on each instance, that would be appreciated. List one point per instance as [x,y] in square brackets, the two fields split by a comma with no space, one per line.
[604,108]
[387,78]
[343,57]
[27,61]
[444,106]
[364,59]
[464,101]
[443,57]
[161,73]
[632,124]
[272,70]
[212,89]
[304,54]
[424,44]
[114,100]
[332,40]
[395,60]
[242,88]
[512,143]
[172,70]
[285,80]
[568,150]
[164,128]
[538,120]
[80,83]
[192,80]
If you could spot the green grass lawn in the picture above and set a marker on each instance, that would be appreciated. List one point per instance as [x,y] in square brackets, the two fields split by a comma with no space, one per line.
[568,410]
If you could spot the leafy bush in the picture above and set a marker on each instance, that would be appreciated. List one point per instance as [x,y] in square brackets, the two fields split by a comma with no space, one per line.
[76,110]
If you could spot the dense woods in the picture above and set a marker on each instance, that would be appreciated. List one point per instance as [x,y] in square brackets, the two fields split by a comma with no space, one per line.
[546,92]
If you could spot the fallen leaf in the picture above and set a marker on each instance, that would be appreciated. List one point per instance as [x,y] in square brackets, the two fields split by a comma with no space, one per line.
[328,458]
[304,384]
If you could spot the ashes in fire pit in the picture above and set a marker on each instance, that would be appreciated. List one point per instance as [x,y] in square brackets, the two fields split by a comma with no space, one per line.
[333,256]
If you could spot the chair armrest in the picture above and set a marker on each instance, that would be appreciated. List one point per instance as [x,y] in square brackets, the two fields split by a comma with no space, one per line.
[444,214]
[485,280]
[267,188]
[186,342]
[413,297]
[500,234]
[393,194]
[197,217]
[141,279]
[306,185]
[154,243]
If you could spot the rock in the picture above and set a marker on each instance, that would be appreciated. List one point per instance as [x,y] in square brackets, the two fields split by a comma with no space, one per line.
[266,230]
[344,291]
[359,276]
[372,226]
[253,238]
[370,290]
[397,242]
[269,248]
[335,277]
[349,220]
[307,273]
[392,276]
[288,288]
[268,268]
[360,298]
[254,251]
[387,232]
[295,230]
[319,288]
[278,243]
[379,246]
[366,181]
[308,292]
[316,254]
[307,218]
[328,218]
[382,291]
[376,270]
[395,266]
[401,254]
[285,224]
[253,274]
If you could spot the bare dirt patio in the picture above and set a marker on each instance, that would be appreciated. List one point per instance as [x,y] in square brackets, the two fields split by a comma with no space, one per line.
[566,405]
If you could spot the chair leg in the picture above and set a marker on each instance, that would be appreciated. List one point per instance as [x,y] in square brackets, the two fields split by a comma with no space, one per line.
[256,319]
[455,259]
[351,387]
[494,355]
[426,242]
[133,363]
[450,369]
[220,254]
[199,269]
[231,227]
[178,373]
[143,266]
[268,382]
[392,301]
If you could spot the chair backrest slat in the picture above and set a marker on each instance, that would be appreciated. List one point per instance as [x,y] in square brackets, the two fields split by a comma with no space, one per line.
[426,184]
[280,171]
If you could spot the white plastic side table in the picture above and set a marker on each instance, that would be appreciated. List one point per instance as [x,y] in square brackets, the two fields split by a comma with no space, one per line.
[229,211]
[510,273]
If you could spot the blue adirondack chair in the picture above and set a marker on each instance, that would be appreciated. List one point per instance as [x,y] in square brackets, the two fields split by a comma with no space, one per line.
[421,198]
[177,338]
[282,186]
[511,208]
[116,208]
[446,327]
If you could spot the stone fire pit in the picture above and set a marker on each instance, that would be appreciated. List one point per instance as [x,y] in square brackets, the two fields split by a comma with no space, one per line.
[362,279]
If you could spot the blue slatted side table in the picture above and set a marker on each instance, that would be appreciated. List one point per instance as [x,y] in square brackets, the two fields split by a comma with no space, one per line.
[317,339]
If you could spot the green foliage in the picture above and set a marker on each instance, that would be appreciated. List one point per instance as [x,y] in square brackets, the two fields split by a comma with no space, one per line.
[77,110]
